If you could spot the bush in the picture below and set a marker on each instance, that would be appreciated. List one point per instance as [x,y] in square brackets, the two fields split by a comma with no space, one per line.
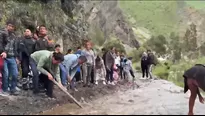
[174,72]
[162,70]
[97,36]
[136,54]
[115,43]
[157,44]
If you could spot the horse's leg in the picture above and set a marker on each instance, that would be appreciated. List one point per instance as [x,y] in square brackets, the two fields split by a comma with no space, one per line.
[192,98]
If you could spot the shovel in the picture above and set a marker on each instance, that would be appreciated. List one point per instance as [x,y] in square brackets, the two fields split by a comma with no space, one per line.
[64,90]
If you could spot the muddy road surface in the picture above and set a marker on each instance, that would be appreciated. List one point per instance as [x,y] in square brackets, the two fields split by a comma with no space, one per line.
[28,103]
[154,97]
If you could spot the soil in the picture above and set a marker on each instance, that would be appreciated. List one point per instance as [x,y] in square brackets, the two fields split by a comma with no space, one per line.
[28,103]
[153,97]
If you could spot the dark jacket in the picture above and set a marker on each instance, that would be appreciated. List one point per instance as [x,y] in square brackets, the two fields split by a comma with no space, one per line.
[43,44]
[151,59]
[9,42]
[27,46]
[3,40]
[109,60]
[144,61]
[197,73]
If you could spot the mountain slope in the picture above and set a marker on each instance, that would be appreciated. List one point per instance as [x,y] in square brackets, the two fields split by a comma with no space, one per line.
[158,16]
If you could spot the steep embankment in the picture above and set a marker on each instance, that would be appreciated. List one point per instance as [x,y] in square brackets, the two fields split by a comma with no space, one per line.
[70,21]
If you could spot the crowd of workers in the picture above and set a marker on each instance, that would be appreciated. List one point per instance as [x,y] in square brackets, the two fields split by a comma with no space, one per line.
[41,61]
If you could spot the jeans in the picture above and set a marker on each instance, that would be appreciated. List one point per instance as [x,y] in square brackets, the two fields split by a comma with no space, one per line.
[10,69]
[64,74]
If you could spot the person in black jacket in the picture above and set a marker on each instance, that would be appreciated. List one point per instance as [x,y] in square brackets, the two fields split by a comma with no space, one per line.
[151,62]
[10,56]
[144,65]
[27,47]
[44,42]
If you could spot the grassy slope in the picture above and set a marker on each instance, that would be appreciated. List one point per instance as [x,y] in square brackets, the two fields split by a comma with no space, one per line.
[160,17]
[157,16]
[175,72]
[196,4]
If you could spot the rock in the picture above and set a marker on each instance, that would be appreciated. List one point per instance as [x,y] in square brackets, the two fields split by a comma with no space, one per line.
[131,100]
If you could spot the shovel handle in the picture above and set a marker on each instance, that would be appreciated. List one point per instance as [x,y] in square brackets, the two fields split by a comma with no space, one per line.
[65,91]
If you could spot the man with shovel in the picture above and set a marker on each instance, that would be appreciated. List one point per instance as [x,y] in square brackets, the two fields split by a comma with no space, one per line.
[47,63]
[70,65]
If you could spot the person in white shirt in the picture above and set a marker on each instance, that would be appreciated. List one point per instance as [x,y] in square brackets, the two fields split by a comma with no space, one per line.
[117,60]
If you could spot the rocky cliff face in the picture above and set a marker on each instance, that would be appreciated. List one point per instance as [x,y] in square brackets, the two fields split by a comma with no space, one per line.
[69,21]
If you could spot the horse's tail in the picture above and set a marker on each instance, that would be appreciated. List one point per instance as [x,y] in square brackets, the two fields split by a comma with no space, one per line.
[186,88]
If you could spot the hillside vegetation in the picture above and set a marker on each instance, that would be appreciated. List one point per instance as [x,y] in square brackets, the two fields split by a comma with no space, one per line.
[158,16]
[161,19]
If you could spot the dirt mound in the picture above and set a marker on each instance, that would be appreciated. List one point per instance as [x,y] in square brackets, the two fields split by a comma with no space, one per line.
[27,103]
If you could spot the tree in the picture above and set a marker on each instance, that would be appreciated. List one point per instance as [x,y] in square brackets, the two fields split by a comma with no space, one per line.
[157,44]
[190,38]
[175,46]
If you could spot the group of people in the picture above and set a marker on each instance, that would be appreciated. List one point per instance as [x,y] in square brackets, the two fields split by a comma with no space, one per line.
[147,62]
[42,62]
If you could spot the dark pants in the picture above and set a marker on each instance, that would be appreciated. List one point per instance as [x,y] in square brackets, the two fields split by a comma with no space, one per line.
[48,84]
[109,75]
[144,68]
[10,69]
[121,71]
[92,76]
[34,69]
[77,76]
[132,73]
[1,70]
[25,66]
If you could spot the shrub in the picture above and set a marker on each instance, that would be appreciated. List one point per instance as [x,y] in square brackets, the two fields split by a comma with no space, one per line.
[114,43]
[157,44]
[162,70]
[97,36]
[136,54]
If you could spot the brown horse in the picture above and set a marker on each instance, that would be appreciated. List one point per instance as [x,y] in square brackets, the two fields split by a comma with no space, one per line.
[194,78]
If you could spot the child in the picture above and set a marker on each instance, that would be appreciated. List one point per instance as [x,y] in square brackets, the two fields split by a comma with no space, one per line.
[127,67]
[100,70]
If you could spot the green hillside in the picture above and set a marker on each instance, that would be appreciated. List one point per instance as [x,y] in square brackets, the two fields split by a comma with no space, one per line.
[158,16]
[196,4]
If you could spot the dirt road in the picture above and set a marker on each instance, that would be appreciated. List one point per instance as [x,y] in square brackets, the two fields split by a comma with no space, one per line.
[156,97]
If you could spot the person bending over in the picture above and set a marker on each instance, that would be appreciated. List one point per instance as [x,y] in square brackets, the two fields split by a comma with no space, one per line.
[193,80]
[47,63]
[69,68]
